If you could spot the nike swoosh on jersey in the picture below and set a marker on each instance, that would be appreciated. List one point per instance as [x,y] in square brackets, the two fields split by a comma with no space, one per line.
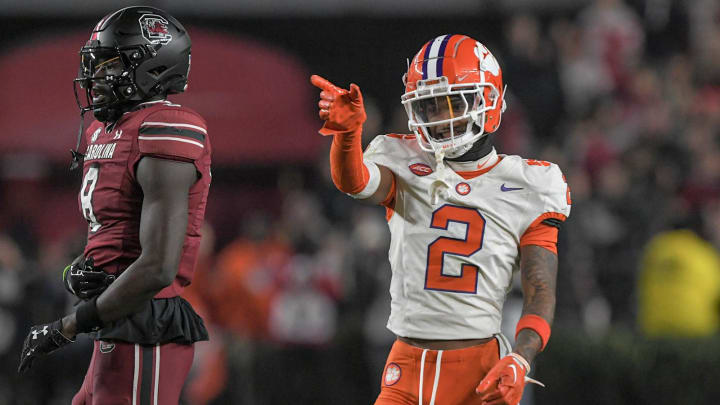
[503,188]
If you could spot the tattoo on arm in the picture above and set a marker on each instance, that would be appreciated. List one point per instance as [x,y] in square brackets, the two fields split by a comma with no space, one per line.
[538,267]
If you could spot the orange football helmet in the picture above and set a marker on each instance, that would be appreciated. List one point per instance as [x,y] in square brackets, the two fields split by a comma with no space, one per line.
[454,94]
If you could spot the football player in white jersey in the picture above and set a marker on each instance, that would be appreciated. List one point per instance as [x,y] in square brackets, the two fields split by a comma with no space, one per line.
[463,220]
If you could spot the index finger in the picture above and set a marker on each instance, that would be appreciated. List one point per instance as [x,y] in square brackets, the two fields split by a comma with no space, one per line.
[485,386]
[322,83]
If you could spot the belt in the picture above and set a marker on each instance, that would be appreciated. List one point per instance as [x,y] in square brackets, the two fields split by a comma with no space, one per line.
[444,344]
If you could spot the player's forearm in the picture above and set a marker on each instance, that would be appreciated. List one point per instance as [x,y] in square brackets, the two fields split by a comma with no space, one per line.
[527,344]
[539,273]
[138,284]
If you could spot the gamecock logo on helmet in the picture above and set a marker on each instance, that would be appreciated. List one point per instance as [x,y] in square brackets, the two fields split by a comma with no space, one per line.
[155,29]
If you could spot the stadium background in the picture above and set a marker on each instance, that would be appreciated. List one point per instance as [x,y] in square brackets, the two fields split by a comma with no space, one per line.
[294,275]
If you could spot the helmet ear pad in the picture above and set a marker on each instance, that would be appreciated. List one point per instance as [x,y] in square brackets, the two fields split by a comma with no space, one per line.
[494,116]
[163,76]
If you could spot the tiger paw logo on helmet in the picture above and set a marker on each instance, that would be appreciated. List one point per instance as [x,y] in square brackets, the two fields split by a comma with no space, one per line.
[488,62]
[155,29]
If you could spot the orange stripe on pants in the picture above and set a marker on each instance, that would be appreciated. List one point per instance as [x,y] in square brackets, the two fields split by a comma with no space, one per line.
[460,372]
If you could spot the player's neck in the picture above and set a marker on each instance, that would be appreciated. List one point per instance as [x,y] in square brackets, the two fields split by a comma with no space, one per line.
[482,154]
[469,166]
[479,149]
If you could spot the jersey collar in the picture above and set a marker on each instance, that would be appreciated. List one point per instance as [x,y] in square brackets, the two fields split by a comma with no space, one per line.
[475,168]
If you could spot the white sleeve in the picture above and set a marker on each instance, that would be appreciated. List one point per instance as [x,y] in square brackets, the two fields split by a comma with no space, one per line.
[373,182]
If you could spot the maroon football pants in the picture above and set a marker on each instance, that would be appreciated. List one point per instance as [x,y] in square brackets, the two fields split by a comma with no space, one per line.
[133,374]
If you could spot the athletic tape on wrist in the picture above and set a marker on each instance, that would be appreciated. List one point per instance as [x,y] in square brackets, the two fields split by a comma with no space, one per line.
[521,361]
[87,316]
[373,181]
[537,324]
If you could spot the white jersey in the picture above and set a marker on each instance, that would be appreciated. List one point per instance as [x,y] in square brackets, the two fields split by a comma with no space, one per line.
[453,263]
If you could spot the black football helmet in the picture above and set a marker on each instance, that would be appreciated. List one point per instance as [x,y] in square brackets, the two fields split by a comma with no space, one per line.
[151,52]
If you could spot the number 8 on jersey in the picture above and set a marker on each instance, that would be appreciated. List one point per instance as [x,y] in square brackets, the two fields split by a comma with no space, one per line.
[89,182]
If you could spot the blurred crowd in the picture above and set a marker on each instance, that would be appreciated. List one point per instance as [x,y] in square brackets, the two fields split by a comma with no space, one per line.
[296,298]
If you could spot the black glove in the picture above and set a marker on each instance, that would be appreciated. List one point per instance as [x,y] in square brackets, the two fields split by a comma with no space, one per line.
[84,281]
[42,339]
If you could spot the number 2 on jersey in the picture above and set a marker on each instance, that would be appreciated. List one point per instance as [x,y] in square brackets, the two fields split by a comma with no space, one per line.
[88,186]
[435,277]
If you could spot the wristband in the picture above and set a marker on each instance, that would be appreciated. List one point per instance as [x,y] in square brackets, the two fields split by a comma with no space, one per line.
[537,324]
[88,319]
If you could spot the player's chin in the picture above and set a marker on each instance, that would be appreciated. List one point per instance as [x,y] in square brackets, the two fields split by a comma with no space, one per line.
[101,94]
[440,135]
[100,99]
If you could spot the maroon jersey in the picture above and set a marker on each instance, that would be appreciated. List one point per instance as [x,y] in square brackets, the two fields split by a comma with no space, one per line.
[111,198]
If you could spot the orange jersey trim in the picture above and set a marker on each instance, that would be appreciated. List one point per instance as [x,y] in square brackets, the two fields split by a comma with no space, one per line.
[401,136]
[475,173]
[541,234]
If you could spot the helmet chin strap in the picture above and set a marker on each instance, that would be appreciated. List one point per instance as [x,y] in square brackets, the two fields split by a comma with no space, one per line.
[440,187]
[107,115]
[77,157]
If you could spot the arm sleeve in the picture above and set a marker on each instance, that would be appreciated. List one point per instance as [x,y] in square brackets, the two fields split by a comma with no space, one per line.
[350,173]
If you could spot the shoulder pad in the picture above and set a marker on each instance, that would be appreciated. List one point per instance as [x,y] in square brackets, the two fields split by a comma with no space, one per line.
[549,182]
[173,132]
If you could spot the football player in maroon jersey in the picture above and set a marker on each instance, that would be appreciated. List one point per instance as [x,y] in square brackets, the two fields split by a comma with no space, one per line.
[146,175]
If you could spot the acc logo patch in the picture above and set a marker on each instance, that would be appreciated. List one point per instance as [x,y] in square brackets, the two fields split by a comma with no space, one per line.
[420,169]
[106,347]
[392,374]
[462,188]
[154,29]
